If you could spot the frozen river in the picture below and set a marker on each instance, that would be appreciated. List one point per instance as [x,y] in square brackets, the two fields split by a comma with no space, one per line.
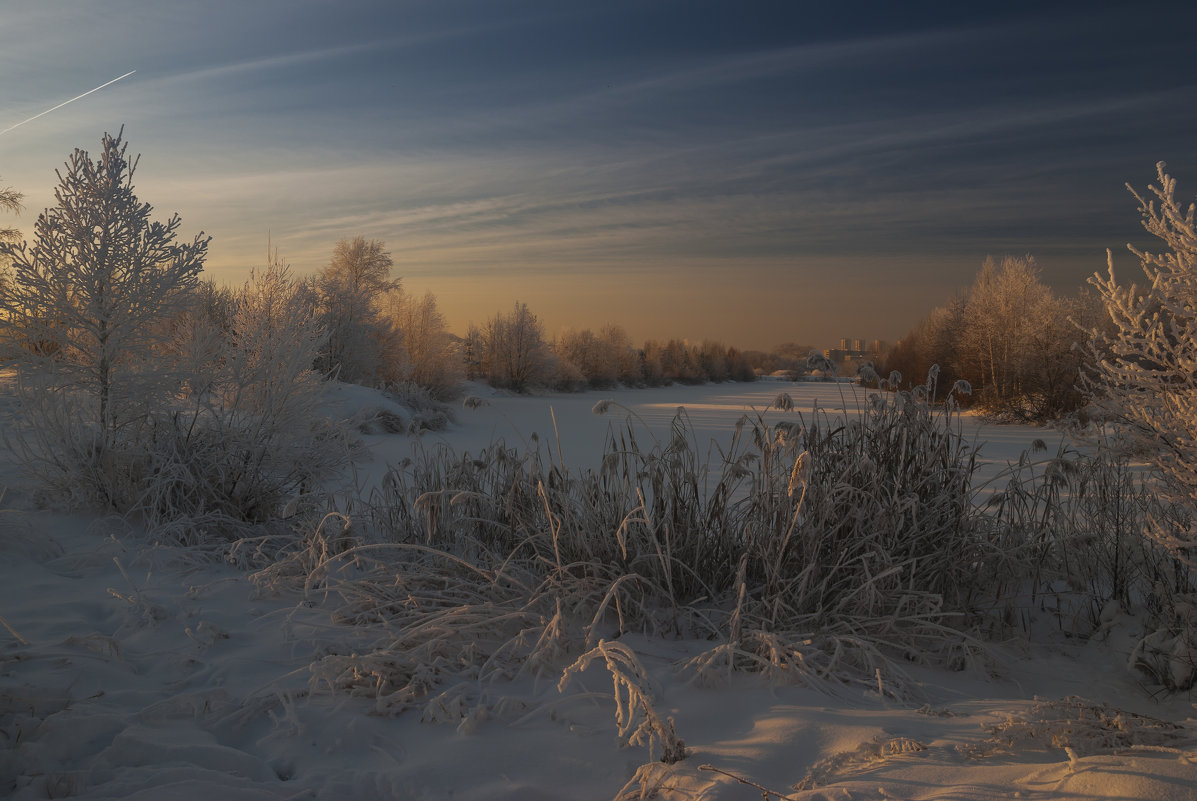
[567,425]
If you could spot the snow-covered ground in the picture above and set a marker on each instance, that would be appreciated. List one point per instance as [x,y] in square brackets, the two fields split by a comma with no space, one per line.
[146,673]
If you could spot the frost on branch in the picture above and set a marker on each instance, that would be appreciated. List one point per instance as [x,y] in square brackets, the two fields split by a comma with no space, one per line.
[1145,379]
[635,716]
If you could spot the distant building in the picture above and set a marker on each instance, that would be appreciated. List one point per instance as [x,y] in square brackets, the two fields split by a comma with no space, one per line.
[853,352]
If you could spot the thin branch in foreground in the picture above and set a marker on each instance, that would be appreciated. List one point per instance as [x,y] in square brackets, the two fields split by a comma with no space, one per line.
[765,791]
[13,631]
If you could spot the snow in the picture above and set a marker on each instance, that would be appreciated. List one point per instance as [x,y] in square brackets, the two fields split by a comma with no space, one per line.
[137,672]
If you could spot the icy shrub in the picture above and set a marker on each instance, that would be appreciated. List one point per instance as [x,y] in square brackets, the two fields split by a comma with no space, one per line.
[428,413]
[246,434]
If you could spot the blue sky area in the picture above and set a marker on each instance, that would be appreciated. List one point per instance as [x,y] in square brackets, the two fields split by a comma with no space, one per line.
[753,172]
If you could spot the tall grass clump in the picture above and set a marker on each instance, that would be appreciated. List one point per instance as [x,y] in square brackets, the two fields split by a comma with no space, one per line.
[815,549]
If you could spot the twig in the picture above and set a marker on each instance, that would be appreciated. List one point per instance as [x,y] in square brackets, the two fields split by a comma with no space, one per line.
[13,631]
[765,791]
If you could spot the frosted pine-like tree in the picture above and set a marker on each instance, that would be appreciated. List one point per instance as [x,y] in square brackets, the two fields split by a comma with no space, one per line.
[88,296]
[1145,377]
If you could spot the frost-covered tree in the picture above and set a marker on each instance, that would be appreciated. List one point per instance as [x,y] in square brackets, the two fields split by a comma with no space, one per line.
[935,340]
[510,350]
[88,296]
[1145,377]
[1007,307]
[1008,335]
[596,360]
[352,290]
[713,361]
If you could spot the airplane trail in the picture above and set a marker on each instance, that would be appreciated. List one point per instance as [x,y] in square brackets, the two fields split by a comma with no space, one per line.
[65,102]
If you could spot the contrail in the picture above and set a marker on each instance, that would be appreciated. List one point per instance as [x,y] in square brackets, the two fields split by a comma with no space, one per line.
[60,105]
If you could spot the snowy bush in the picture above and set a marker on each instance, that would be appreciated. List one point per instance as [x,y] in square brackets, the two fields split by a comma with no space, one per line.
[246,434]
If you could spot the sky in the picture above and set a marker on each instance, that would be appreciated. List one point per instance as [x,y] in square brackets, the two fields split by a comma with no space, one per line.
[750,172]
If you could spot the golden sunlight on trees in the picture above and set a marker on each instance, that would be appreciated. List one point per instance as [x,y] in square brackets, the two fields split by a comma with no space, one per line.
[600,360]
[1008,313]
[376,333]
[1009,336]
[89,295]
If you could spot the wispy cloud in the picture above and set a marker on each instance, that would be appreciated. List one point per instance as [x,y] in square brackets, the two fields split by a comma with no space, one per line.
[570,142]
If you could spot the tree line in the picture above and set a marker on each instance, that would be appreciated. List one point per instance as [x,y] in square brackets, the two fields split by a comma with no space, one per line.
[102,284]
[510,351]
[1016,343]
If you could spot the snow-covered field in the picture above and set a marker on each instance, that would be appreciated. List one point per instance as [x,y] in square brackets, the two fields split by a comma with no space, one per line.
[146,673]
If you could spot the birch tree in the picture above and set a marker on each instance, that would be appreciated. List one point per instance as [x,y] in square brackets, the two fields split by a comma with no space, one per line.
[351,291]
[1008,307]
[431,357]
